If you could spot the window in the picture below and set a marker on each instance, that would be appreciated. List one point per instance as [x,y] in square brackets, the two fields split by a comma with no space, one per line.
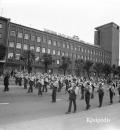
[49,42]
[58,62]
[63,53]
[20,35]
[53,52]
[58,53]
[71,47]
[26,36]
[74,55]
[1,25]
[37,49]
[11,44]
[44,39]
[17,56]
[25,47]
[75,48]
[38,39]
[32,38]
[43,50]
[78,56]
[10,55]
[0,35]
[54,43]
[63,45]
[12,33]
[82,49]
[58,44]
[48,51]
[79,48]
[68,46]
[18,45]
[32,47]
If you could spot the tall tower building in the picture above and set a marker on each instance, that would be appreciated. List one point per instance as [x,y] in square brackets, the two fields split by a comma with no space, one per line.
[107,37]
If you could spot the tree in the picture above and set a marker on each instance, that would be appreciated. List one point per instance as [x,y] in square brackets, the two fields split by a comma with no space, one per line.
[46,61]
[2,52]
[114,70]
[87,67]
[65,64]
[98,67]
[118,71]
[106,70]
[28,57]
[79,64]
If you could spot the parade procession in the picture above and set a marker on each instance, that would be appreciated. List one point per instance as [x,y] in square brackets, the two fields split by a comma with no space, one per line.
[75,87]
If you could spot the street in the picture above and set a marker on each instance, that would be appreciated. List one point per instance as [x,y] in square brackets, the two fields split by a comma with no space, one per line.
[17,106]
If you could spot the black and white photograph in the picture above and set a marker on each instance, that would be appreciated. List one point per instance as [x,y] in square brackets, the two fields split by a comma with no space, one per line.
[59,65]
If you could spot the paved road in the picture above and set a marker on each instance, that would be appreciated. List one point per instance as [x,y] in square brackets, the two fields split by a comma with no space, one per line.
[17,106]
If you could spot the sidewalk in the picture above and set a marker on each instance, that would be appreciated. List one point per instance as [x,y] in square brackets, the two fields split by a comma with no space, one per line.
[105,118]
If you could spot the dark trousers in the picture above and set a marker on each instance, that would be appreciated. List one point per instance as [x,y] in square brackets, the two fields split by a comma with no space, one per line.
[82,94]
[30,90]
[44,88]
[92,95]
[6,88]
[111,97]
[25,85]
[87,100]
[70,105]
[54,95]
[100,100]
[39,91]
[60,87]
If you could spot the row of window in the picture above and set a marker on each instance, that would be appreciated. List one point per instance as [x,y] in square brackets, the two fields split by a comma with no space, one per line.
[56,43]
[71,55]
[32,47]
[17,57]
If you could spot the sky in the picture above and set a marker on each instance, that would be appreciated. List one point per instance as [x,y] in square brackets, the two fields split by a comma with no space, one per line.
[68,17]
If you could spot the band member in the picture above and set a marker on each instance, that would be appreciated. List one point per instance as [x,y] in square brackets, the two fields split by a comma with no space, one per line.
[100,94]
[88,91]
[25,82]
[31,83]
[72,98]
[54,90]
[111,92]
[82,90]
[39,86]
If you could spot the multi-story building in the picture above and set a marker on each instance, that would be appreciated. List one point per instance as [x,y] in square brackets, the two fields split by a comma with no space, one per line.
[18,38]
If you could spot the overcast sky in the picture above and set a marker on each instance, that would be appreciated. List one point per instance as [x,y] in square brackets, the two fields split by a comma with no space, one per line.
[69,17]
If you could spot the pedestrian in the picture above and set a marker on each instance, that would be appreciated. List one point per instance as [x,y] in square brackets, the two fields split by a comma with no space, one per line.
[6,82]
[100,94]
[72,98]
[111,92]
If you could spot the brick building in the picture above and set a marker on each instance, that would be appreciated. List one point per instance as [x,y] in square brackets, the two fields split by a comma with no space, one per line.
[18,38]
